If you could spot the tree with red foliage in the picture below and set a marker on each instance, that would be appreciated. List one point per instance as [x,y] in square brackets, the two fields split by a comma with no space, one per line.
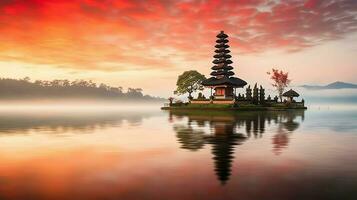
[281,80]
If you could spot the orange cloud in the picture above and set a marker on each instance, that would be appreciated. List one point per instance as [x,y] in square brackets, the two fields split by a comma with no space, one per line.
[89,34]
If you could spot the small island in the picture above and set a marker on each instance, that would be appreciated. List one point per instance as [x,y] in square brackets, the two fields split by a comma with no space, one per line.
[223,87]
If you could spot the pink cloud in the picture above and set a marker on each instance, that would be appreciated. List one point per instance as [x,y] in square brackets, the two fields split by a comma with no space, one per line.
[142,27]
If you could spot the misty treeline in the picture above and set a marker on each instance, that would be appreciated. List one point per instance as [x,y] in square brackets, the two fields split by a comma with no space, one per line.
[81,89]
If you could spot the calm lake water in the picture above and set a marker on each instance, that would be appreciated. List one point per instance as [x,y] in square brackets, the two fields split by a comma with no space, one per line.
[154,154]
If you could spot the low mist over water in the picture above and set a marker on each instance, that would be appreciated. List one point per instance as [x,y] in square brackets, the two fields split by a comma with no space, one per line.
[77,104]
[329,96]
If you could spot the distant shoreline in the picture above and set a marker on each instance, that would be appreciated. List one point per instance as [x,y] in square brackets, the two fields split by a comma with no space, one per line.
[24,89]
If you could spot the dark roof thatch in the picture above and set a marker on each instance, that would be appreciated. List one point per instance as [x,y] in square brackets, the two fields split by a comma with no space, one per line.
[222,40]
[221,55]
[290,93]
[222,45]
[222,51]
[224,67]
[222,72]
[218,61]
[232,81]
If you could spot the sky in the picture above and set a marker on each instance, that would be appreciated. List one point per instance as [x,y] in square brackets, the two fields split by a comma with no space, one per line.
[147,44]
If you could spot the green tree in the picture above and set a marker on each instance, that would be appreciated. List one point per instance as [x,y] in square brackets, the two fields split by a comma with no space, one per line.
[188,82]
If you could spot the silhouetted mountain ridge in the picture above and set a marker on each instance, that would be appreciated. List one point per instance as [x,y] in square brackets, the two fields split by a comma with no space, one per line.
[334,85]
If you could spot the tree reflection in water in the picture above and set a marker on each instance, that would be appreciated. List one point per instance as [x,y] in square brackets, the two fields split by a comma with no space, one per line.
[219,129]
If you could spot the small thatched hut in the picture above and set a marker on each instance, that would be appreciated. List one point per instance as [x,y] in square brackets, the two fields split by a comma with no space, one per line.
[290,95]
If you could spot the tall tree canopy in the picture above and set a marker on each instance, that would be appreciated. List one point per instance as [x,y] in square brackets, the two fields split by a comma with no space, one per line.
[188,82]
[281,80]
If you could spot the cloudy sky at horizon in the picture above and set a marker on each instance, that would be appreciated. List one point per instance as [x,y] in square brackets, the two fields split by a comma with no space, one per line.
[148,44]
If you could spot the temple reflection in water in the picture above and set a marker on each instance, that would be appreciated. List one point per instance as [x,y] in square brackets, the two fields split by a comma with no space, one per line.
[225,131]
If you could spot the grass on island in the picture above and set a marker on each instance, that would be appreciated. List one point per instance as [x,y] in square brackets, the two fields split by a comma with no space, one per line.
[242,107]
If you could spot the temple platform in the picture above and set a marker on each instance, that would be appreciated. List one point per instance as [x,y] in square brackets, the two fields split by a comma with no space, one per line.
[235,107]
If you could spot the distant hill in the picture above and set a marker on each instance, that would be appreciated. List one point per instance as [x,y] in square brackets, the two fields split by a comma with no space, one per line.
[24,89]
[334,85]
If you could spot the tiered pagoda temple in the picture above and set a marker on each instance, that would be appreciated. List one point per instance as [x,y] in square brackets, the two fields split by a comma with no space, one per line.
[224,84]
[222,81]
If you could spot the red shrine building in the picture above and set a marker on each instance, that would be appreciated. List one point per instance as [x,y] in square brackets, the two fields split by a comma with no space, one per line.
[222,80]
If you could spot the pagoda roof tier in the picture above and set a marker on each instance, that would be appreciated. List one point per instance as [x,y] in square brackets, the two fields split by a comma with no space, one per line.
[222,40]
[222,56]
[222,45]
[217,61]
[225,67]
[222,50]
[222,35]
[231,81]
[222,73]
